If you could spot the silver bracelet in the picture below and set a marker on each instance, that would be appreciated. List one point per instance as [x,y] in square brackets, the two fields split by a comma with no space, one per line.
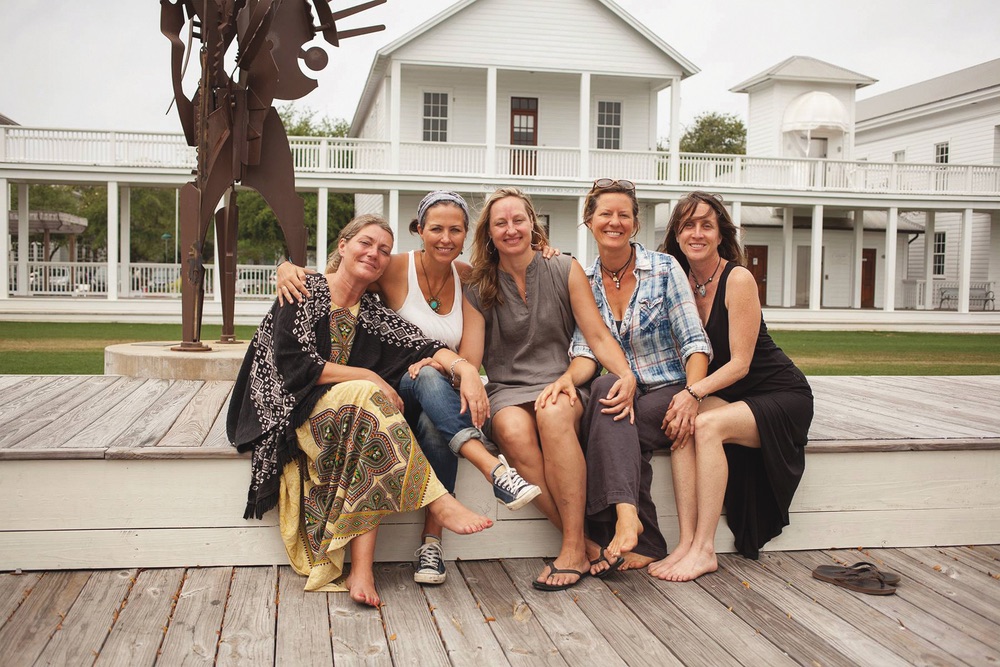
[456,363]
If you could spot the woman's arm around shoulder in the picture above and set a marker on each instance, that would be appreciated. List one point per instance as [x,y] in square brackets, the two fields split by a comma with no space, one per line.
[393,284]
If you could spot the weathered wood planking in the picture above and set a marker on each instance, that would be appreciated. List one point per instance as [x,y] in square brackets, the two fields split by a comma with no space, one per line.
[137,634]
[88,622]
[906,614]
[24,385]
[9,380]
[33,419]
[521,636]
[975,558]
[154,422]
[193,634]
[957,568]
[195,421]
[576,636]
[467,636]
[50,390]
[217,438]
[303,633]
[14,589]
[248,628]
[357,633]
[591,610]
[112,422]
[413,635]
[840,634]
[25,635]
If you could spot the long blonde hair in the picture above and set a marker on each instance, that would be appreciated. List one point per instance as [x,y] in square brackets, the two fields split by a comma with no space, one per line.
[351,230]
[485,258]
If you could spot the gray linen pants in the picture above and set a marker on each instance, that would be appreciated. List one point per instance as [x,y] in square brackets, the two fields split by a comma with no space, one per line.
[618,468]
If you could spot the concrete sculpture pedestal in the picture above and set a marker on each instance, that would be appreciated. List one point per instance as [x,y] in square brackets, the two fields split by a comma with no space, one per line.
[156,360]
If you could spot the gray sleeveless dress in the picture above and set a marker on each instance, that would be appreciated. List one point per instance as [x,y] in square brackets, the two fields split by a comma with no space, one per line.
[527,344]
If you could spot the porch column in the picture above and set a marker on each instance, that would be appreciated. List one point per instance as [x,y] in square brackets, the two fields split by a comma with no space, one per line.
[394,213]
[491,121]
[889,284]
[395,109]
[965,262]
[929,221]
[113,201]
[675,130]
[585,128]
[23,238]
[582,233]
[125,253]
[4,238]
[859,257]
[322,233]
[737,214]
[816,259]
[993,273]
[787,258]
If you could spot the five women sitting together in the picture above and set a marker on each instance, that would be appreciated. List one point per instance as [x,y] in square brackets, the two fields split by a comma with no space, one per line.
[361,388]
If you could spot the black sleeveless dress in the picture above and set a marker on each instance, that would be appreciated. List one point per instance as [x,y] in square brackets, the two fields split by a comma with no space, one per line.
[762,481]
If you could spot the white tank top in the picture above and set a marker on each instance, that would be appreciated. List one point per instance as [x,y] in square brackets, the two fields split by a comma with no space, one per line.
[445,328]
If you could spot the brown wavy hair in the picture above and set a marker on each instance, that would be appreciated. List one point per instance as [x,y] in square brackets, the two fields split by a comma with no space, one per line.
[590,203]
[485,258]
[729,246]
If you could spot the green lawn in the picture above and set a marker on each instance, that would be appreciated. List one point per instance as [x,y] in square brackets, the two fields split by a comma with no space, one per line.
[44,348]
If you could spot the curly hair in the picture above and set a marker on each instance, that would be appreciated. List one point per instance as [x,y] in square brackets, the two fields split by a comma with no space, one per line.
[729,245]
[485,258]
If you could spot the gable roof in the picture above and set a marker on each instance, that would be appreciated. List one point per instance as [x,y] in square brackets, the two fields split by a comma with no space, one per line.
[383,56]
[964,81]
[804,68]
[4,120]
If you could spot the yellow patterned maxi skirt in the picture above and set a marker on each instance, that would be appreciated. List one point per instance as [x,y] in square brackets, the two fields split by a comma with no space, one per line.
[359,465]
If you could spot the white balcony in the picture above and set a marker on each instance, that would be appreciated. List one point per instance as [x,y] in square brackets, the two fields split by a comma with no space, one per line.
[24,146]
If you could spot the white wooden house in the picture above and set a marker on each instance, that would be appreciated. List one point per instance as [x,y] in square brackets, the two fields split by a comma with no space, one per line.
[548,97]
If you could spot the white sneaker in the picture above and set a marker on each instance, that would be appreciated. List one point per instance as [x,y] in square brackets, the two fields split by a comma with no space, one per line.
[430,563]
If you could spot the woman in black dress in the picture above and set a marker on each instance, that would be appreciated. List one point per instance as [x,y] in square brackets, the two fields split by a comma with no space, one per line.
[756,406]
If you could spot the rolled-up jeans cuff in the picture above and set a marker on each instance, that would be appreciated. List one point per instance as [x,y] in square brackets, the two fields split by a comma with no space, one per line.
[463,436]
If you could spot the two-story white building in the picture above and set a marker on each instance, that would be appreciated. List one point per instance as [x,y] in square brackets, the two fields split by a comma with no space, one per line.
[548,97]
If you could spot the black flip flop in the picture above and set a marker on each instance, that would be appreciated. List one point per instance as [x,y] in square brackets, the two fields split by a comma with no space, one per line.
[890,578]
[612,567]
[542,586]
[865,581]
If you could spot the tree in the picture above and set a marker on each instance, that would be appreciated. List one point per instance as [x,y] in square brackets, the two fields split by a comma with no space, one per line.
[714,132]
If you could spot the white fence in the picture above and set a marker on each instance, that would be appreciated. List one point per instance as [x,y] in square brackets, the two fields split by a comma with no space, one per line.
[145,279]
[341,155]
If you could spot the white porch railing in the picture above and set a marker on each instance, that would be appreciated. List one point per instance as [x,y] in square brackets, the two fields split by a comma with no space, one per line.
[145,279]
[335,155]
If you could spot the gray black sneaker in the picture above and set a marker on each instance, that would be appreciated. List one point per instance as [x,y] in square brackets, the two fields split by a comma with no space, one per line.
[430,562]
[510,488]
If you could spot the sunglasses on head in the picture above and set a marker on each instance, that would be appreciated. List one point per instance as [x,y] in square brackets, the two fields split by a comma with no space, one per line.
[610,183]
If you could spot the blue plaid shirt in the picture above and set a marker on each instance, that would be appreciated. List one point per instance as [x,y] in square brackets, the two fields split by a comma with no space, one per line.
[660,327]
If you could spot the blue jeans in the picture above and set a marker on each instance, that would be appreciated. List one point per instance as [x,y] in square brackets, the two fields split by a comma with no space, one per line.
[432,408]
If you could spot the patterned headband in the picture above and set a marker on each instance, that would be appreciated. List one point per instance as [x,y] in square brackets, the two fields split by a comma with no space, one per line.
[437,197]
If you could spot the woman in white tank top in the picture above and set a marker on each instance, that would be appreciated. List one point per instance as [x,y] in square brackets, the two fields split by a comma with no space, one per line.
[424,287]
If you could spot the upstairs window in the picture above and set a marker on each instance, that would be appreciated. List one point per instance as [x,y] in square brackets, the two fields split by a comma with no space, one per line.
[899,156]
[938,258]
[609,125]
[941,153]
[435,116]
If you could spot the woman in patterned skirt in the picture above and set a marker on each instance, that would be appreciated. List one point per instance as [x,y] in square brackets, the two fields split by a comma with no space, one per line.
[330,445]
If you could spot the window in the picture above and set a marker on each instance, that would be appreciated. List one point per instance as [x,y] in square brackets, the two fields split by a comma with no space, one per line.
[939,246]
[941,153]
[609,125]
[899,156]
[435,116]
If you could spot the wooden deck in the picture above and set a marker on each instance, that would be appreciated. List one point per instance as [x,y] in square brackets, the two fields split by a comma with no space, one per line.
[115,472]
[771,612]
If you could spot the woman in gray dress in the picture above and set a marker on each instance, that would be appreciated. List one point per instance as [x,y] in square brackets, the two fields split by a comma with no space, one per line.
[525,310]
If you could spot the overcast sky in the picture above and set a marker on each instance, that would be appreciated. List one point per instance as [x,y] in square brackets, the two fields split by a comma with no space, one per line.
[103,64]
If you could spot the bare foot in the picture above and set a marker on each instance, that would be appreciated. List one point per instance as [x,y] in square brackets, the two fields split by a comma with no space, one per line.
[627,529]
[456,517]
[661,567]
[634,561]
[361,586]
[696,563]
[570,578]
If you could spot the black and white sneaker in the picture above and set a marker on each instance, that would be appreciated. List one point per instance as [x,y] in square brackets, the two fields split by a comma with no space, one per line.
[510,488]
[430,562]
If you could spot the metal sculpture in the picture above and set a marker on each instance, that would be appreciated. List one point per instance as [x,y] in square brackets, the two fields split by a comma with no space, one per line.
[238,134]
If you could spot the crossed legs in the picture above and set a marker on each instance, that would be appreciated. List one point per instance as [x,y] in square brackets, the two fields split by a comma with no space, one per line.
[547,453]
[700,474]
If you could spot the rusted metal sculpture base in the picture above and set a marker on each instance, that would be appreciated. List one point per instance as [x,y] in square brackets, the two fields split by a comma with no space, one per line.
[196,346]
